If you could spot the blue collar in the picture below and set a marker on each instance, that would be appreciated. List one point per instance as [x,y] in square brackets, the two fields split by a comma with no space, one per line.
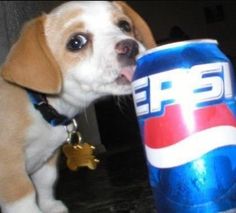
[50,114]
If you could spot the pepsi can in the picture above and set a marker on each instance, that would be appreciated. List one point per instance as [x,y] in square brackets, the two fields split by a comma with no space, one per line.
[184,96]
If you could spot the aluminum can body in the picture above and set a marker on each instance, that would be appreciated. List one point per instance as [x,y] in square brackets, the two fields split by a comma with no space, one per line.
[184,96]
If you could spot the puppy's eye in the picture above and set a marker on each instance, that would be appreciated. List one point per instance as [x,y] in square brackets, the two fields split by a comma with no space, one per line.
[125,26]
[76,42]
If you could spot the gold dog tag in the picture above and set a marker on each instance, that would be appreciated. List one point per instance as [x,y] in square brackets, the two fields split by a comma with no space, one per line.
[77,152]
[80,156]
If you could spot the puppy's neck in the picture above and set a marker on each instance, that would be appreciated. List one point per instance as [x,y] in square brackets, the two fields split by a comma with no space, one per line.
[70,105]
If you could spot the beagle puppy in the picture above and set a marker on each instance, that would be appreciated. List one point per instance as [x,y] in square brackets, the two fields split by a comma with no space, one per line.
[79,52]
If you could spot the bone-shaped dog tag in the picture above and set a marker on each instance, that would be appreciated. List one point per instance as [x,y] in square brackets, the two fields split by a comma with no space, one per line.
[80,155]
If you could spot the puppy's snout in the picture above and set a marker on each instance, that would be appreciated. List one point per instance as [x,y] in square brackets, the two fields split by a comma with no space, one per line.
[128,48]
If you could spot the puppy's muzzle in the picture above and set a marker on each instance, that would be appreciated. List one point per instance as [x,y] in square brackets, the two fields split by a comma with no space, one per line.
[127,50]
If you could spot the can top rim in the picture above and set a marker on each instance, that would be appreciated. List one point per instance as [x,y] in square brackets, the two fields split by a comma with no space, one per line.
[176,44]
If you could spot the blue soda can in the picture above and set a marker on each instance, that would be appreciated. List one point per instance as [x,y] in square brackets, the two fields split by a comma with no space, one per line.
[184,96]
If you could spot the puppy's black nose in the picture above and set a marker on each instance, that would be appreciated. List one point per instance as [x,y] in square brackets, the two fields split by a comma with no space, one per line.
[128,48]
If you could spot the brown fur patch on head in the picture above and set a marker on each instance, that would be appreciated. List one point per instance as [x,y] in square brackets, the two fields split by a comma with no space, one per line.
[142,30]
[65,58]
[30,62]
[59,28]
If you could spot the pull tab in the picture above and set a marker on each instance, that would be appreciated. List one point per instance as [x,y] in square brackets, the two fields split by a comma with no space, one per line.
[74,137]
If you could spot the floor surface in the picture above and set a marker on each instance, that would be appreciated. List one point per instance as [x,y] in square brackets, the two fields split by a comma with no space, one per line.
[118,185]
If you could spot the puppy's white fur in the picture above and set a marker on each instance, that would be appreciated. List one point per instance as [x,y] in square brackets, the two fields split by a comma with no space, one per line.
[86,76]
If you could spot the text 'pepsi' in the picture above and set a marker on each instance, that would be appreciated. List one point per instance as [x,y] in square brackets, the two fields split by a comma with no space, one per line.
[202,84]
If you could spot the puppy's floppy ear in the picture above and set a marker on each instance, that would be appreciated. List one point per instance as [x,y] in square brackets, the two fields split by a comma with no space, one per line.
[30,62]
[142,31]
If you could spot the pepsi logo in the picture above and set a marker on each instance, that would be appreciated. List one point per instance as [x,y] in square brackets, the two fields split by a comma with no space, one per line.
[185,113]
[170,140]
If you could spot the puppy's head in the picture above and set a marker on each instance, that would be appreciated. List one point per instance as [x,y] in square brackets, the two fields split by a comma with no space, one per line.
[87,47]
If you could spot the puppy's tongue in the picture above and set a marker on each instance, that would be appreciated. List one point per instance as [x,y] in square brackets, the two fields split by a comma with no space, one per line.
[128,72]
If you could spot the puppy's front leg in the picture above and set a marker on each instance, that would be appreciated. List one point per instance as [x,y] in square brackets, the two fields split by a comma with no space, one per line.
[44,180]
[26,204]
[17,191]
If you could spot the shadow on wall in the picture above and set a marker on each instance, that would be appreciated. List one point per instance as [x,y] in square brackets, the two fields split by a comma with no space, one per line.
[175,34]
